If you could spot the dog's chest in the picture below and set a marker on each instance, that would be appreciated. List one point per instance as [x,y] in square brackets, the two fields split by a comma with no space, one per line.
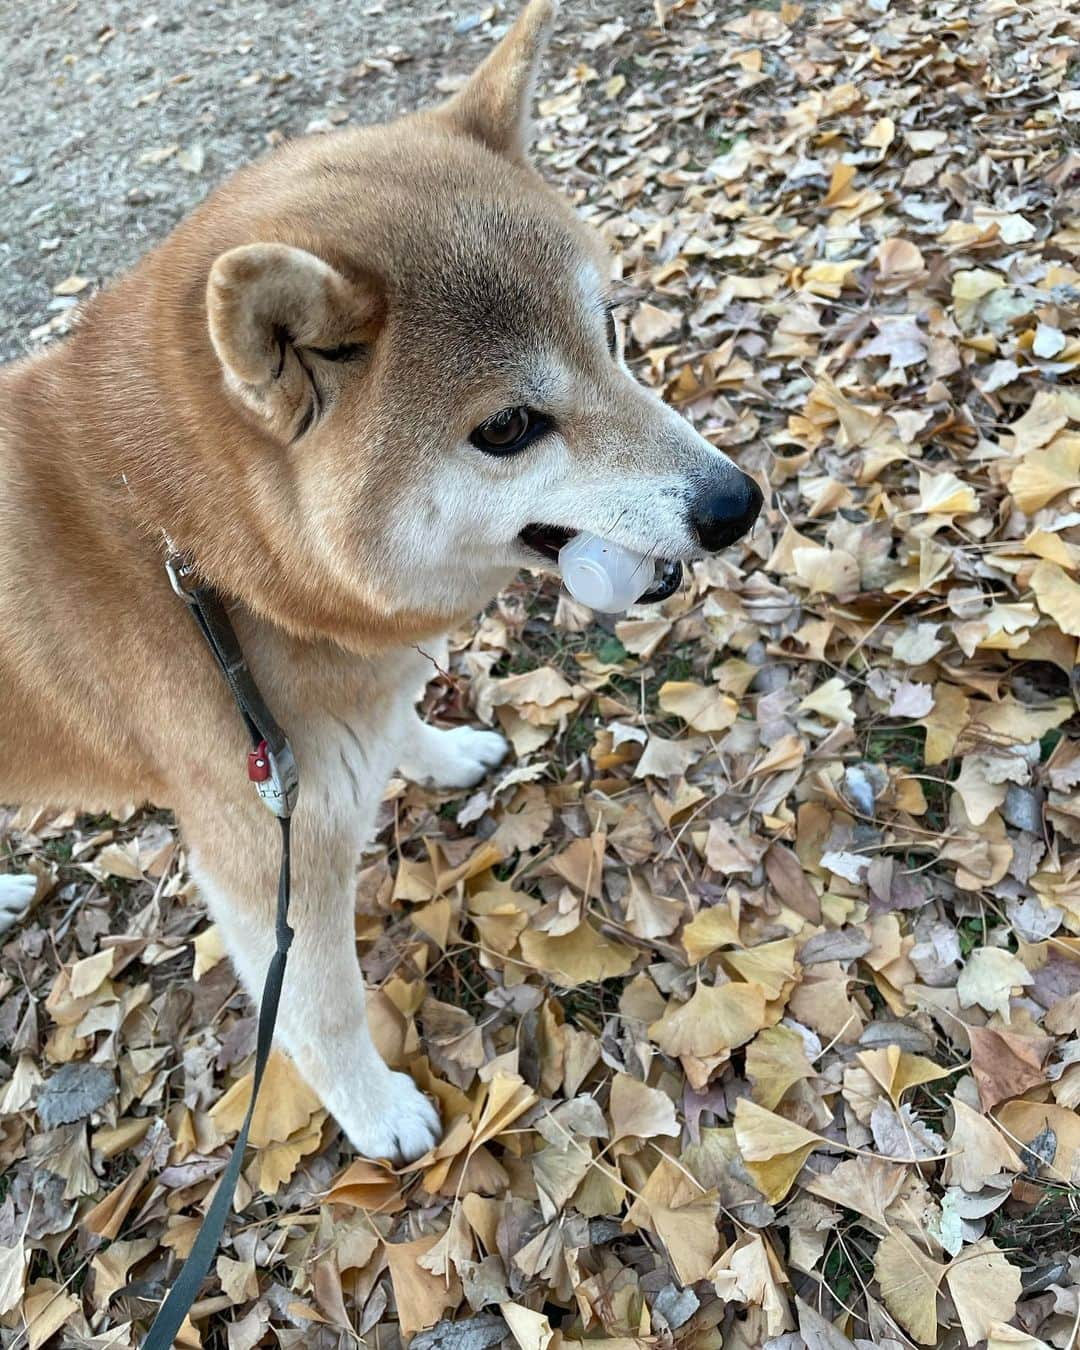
[348,749]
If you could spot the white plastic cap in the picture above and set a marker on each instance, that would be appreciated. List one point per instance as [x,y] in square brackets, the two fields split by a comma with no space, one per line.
[604,575]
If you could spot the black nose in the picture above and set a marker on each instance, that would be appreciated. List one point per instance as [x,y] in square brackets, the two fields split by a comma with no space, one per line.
[724,512]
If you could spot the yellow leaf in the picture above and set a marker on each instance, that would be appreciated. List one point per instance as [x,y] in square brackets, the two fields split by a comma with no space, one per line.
[704,708]
[366,1185]
[238,1279]
[1046,416]
[770,964]
[828,279]
[1001,1336]
[977,1150]
[881,134]
[943,494]
[909,1282]
[285,1104]
[1057,595]
[112,1264]
[107,1217]
[639,1111]
[88,975]
[899,258]
[773,1149]
[1043,474]
[717,1018]
[831,700]
[989,979]
[826,571]
[865,1184]
[276,1163]
[508,1097]
[748,1272]
[1022,1121]
[711,928]
[421,1297]
[897,1070]
[944,723]
[775,1061]
[683,1215]
[969,289]
[1045,544]
[842,177]
[984,1286]
[45,1309]
[651,324]
[209,950]
[530,1329]
[577,957]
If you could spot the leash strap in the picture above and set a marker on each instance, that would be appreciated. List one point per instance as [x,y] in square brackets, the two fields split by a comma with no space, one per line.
[273,770]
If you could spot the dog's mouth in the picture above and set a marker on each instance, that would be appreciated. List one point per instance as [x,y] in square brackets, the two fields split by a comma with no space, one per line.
[547,540]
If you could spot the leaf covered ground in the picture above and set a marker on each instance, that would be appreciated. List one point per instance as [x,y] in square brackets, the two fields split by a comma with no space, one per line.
[750,989]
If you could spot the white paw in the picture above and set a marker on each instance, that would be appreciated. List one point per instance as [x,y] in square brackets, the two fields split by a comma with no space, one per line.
[461,757]
[16,892]
[398,1121]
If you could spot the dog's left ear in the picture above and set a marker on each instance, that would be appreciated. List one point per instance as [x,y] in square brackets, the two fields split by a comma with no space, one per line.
[494,106]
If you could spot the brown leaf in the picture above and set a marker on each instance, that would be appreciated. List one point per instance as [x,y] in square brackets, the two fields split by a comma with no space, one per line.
[1004,1064]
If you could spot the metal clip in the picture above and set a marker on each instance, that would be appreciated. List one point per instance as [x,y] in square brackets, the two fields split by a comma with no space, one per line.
[275,777]
[181,570]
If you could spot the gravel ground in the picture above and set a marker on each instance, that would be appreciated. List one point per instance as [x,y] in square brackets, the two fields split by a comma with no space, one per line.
[120,118]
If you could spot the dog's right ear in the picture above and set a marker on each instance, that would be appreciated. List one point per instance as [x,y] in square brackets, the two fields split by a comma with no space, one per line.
[494,105]
[275,312]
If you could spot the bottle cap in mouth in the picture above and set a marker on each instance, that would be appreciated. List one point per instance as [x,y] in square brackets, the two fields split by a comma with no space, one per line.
[604,575]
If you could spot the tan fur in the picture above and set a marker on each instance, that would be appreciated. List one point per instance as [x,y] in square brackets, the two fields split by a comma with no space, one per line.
[177,409]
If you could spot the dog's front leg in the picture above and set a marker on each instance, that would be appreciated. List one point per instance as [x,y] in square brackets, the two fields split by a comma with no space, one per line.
[322,1021]
[452,758]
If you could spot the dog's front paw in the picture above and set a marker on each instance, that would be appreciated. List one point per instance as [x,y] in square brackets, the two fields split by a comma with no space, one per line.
[16,892]
[398,1122]
[457,758]
[471,754]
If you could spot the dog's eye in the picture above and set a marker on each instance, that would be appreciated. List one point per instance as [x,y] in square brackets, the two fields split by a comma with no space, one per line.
[348,351]
[509,431]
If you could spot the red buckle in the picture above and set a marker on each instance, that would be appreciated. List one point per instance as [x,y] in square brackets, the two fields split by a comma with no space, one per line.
[259,763]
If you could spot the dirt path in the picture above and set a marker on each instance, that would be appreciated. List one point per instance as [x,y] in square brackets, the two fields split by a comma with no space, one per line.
[119,119]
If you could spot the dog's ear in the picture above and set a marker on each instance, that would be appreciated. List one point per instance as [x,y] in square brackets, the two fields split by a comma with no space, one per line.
[493,107]
[275,313]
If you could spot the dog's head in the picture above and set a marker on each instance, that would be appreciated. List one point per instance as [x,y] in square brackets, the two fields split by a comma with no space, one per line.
[423,329]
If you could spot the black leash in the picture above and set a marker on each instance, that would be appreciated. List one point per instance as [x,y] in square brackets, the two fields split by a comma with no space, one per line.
[272,768]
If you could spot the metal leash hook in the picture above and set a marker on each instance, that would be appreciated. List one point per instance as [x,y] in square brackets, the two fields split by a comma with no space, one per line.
[272,768]
[275,777]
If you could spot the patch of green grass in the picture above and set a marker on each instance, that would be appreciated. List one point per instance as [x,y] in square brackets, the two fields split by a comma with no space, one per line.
[611,651]
[681,663]
[896,747]
[57,850]
[461,980]
[975,932]
[1038,1235]
[932,1099]
[578,739]
[1048,743]
[936,792]
[590,1005]
[848,1266]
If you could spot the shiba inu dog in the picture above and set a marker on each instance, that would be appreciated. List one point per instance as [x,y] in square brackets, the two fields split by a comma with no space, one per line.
[366,381]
